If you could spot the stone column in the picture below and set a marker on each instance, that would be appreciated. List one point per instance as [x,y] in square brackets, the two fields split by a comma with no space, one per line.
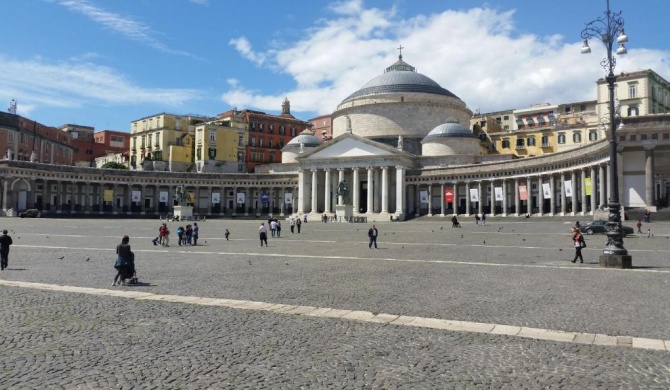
[504,200]
[301,192]
[224,203]
[73,196]
[467,198]
[442,200]
[356,200]
[385,189]
[517,198]
[46,193]
[648,176]
[156,202]
[86,203]
[400,191]
[430,199]
[247,200]
[210,191]
[601,186]
[101,198]
[282,201]
[552,200]
[417,199]
[235,205]
[5,189]
[594,191]
[326,193]
[454,203]
[583,191]
[573,200]
[480,196]
[370,190]
[492,198]
[377,192]
[540,196]
[562,179]
[114,210]
[315,196]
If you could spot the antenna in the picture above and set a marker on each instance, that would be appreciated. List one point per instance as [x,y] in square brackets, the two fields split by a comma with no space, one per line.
[12,107]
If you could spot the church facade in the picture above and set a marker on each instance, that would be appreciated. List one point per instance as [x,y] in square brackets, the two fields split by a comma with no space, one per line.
[401,145]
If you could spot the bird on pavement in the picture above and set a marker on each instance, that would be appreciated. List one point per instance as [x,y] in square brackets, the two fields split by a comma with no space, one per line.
[286,262]
[61,258]
[461,236]
[88,259]
[403,246]
[249,262]
[523,239]
[484,242]
[441,227]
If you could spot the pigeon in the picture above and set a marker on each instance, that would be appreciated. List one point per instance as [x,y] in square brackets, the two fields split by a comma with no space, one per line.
[249,261]
[523,239]
[484,242]
[403,247]
[286,262]
[88,259]
[560,249]
[441,227]
[61,258]
[393,233]
[47,236]
[433,231]
[461,236]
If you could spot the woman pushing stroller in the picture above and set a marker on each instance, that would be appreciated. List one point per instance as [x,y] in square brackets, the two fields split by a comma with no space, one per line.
[125,263]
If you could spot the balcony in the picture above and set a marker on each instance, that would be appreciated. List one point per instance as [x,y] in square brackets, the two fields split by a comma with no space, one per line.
[546,145]
[520,147]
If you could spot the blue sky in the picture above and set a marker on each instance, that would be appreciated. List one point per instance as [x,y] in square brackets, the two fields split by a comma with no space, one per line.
[106,63]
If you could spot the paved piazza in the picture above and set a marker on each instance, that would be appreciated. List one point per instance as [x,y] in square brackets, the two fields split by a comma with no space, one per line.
[491,307]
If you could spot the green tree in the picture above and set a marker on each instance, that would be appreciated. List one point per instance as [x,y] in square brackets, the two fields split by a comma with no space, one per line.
[113,165]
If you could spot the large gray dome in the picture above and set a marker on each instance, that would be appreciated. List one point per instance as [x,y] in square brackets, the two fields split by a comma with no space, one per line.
[452,128]
[398,78]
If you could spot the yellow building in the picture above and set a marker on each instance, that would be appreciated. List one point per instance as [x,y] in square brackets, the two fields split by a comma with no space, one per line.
[163,141]
[219,148]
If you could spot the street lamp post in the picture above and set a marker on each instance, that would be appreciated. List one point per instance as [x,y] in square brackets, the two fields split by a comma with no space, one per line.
[605,29]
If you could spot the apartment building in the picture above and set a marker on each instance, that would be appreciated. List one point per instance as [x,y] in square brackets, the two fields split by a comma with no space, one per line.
[27,140]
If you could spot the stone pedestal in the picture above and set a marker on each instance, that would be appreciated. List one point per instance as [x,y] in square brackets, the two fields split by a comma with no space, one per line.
[616,261]
[344,212]
[183,211]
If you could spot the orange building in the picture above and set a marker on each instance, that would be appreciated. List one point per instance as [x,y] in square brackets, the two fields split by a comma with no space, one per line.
[27,140]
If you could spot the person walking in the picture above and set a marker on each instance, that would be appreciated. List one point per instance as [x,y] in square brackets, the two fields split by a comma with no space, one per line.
[372,234]
[227,234]
[278,228]
[579,243]
[273,228]
[292,224]
[5,242]
[124,254]
[639,226]
[263,234]
[180,235]
[483,218]
[297,224]
[196,231]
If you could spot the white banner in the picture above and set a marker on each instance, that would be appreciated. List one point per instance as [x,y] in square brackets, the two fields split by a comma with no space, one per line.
[423,195]
[163,196]
[568,188]
[135,196]
[288,198]
[216,198]
[241,197]
[474,195]
[498,193]
[546,190]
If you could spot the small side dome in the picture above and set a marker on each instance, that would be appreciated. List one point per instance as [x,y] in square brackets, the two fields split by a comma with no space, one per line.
[452,128]
[307,140]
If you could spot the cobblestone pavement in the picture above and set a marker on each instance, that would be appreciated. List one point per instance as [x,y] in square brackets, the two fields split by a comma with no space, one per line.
[508,272]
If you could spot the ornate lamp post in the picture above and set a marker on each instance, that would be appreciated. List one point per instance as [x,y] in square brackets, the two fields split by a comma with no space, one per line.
[604,29]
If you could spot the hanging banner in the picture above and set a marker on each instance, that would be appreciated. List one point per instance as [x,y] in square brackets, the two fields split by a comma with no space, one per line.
[449,196]
[108,196]
[241,197]
[498,193]
[523,194]
[474,195]
[265,199]
[191,197]
[423,196]
[135,196]
[546,190]
[587,185]
[216,198]
[288,198]
[568,188]
[163,197]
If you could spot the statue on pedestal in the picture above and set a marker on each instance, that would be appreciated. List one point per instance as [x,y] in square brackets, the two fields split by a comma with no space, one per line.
[400,142]
[180,195]
[343,191]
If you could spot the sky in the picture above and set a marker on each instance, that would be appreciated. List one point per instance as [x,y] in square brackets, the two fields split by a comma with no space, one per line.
[105,63]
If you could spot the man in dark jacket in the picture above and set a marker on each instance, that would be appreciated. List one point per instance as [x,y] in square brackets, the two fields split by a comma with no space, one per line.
[372,233]
[5,242]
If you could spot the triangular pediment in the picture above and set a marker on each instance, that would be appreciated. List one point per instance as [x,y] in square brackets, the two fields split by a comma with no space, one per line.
[350,147]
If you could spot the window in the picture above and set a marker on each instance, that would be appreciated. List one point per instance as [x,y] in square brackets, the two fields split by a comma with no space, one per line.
[519,143]
[211,153]
[561,138]
[253,126]
[530,141]
[272,129]
[272,157]
[577,137]
[134,142]
[282,130]
[260,142]
[253,141]
[545,141]
[593,135]
[240,140]
[253,156]
[149,140]
[506,127]
[270,143]
[158,139]
[261,157]
[177,123]
[158,155]
[506,117]
[199,139]
[144,139]
[632,91]
[260,127]
[505,144]
[293,131]
[158,121]
[212,136]
[633,111]
[240,156]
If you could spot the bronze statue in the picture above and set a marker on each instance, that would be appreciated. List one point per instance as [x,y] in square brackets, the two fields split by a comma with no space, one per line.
[343,191]
[181,196]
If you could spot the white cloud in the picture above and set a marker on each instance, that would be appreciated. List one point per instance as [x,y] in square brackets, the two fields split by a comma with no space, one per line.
[70,84]
[125,25]
[476,54]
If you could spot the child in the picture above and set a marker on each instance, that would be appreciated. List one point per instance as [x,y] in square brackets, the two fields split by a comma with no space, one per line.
[649,233]
[227,233]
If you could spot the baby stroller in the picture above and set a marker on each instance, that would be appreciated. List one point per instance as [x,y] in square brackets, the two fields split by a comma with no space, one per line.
[127,269]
